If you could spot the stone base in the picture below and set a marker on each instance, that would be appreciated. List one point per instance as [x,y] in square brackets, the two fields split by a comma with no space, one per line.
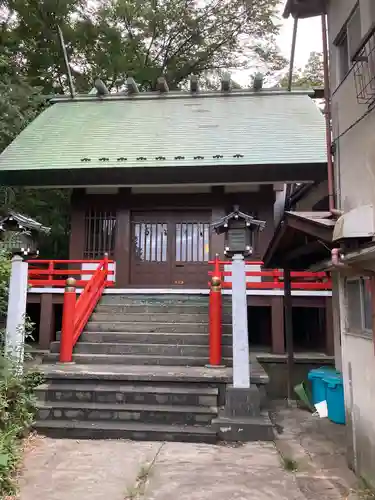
[244,429]
[242,402]
[241,418]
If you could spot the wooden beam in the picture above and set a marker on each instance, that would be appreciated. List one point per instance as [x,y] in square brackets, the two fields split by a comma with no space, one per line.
[311,228]
[194,84]
[162,84]
[288,321]
[226,82]
[132,86]
[301,251]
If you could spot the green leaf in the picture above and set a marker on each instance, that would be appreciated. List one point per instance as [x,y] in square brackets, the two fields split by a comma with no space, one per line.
[4,459]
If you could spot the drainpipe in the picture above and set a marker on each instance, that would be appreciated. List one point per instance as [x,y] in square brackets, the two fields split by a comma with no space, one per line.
[336,260]
[327,115]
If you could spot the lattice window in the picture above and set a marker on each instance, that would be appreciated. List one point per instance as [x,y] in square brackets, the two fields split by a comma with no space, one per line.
[192,242]
[151,241]
[100,233]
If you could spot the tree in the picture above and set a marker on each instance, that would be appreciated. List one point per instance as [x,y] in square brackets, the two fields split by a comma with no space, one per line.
[19,102]
[115,39]
[311,76]
[140,38]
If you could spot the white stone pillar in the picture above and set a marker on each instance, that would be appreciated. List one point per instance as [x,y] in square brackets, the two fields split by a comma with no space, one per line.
[15,327]
[241,359]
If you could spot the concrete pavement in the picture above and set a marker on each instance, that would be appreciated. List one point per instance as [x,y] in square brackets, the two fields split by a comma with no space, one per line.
[125,470]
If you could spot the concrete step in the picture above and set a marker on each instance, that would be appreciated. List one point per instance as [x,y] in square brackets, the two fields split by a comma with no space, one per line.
[154,338]
[172,393]
[140,308]
[144,327]
[142,349]
[156,299]
[152,414]
[69,429]
[132,359]
[156,317]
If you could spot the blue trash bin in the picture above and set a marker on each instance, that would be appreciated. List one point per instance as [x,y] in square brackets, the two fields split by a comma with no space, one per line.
[318,388]
[335,398]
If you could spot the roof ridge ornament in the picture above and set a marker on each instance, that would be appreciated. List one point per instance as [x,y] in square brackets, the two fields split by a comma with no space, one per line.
[101,88]
[226,83]
[162,85]
[194,84]
[132,86]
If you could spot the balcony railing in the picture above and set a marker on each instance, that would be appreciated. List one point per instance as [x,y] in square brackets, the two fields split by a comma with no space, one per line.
[364,70]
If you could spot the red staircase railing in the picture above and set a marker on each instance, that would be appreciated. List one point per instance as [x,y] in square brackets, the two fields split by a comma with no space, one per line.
[76,312]
[301,280]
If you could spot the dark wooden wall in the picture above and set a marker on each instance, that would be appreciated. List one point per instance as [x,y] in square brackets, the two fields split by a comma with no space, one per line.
[124,203]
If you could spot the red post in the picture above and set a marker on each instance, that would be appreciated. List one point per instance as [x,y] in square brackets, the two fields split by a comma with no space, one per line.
[105,267]
[215,310]
[67,330]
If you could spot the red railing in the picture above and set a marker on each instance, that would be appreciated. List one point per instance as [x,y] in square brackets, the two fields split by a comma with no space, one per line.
[76,313]
[53,273]
[273,280]
[301,280]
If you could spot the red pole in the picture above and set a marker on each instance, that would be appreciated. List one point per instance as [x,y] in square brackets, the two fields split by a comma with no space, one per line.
[67,330]
[215,308]
[105,268]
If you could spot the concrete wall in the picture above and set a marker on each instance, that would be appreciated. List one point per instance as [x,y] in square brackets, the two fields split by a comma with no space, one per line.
[358,367]
[355,146]
[353,132]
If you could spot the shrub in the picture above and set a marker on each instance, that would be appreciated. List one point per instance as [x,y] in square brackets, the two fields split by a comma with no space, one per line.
[17,410]
[17,407]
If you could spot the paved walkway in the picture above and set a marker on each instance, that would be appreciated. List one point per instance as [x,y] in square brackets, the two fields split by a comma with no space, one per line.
[124,470]
[128,470]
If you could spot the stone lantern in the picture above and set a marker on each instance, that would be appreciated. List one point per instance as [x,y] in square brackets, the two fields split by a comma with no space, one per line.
[19,235]
[239,229]
[240,416]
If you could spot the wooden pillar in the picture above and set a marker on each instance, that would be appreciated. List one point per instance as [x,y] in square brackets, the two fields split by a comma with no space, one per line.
[289,330]
[47,320]
[122,248]
[218,211]
[330,340]
[77,225]
[277,324]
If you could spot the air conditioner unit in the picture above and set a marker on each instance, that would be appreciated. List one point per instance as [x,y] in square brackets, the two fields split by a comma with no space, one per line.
[357,223]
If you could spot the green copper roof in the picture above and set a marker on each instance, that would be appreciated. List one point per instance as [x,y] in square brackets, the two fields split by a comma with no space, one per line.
[168,130]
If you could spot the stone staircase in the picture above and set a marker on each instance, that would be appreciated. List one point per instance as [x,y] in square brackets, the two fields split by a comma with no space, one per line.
[139,373]
[110,406]
[149,330]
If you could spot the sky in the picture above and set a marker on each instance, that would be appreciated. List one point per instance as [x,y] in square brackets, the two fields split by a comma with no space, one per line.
[309,39]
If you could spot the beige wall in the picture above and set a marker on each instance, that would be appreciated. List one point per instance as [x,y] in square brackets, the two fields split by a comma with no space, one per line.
[355,153]
[355,185]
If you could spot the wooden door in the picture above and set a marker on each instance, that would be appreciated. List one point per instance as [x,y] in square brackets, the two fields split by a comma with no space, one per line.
[191,244]
[170,249]
[151,250]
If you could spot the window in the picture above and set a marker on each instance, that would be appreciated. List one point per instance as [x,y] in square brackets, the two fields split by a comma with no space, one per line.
[151,241]
[100,233]
[192,242]
[359,305]
[354,33]
[348,42]
[343,56]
